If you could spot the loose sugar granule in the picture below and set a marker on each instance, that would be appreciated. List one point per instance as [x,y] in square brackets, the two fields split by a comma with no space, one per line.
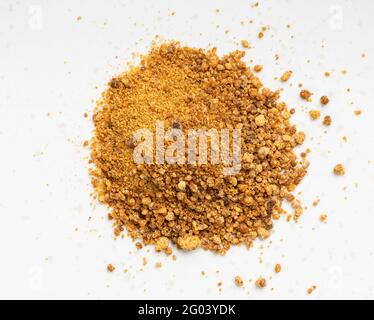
[339,170]
[239,281]
[260,282]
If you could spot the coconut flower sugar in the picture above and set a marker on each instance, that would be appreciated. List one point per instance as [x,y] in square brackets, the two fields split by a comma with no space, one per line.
[188,204]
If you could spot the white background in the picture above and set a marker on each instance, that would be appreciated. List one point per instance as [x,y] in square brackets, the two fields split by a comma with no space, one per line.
[55,241]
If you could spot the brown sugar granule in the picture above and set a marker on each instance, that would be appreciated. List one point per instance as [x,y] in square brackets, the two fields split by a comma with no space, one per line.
[277,268]
[260,35]
[189,242]
[182,185]
[258,68]
[260,282]
[323,217]
[314,114]
[324,100]
[245,44]
[300,138]
[194,206]
[162,243]
[85,143]
[339,170]
[311,289]
[358,112]
[327,121]
[110,268]
[239,281]
[260,120]
[263,233]
[305,94]
[286,76]
[158,265]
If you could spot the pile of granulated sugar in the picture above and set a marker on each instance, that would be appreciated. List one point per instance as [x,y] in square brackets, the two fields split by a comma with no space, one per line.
[194,205]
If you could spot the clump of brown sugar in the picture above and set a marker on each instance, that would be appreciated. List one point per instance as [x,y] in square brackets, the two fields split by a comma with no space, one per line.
[258,68]
[277,268]
[311,289]
[339,170]
[239,281]
[260,282]
[162,243]
[323,217]
[286,76]
[314,114]
[189,242]
[189,205]
[324,100]
[110,268]
[326,121]
[306,95]
[245,44]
